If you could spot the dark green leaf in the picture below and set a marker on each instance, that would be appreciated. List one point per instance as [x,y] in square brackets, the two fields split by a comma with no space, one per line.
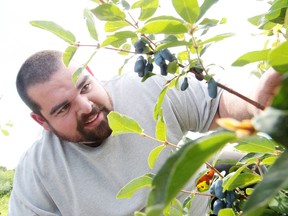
[251,57]
[179,168]
[108,12]
[280,99]
[274,180]
[55,29]
[189,10]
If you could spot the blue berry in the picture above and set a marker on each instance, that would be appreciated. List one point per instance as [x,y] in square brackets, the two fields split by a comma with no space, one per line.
[184,84]
[139,46]
[198,70]
[212,88]
[230,198]
[219,189]
[148,68]
[139,66]
[218,205]
[167,55]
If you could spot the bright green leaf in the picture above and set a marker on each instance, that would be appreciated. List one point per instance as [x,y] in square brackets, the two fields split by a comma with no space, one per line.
[76,75]
[148,8]
[108,12]
[111,26]
[118,37]
[278,58]
[68,54]
[243,180]
[90,23]
[138,183]
[180,166]
[163,27]
[226,212]
[157,108]
[5,132]
[121,124]
[189,10]
[55,29]
[161,128]
[256,144]
[205,7]
[154,155]
[172,44]
[251,57]
[274,180]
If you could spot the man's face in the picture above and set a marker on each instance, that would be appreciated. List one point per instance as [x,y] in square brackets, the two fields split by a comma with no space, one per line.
[76,113]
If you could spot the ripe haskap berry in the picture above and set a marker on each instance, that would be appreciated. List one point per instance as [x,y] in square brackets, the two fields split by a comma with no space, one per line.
[218,205]
[159,60]
[148,68]
[219,189]
[212,88]
[139,46]
[139,66]
[184,84]
[198,70]
[163,69]
[167,55]
[230,198]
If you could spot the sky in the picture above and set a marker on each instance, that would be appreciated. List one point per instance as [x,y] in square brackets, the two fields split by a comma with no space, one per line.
[19,40]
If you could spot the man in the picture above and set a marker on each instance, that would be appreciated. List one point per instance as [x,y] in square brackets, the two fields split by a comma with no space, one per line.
[77,168]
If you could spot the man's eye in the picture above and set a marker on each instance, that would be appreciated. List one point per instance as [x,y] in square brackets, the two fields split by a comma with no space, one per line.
[63,109]
[85,88]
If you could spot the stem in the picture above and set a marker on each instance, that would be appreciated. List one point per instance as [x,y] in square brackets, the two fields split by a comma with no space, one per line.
[197,193]
[161,141]
[215,170]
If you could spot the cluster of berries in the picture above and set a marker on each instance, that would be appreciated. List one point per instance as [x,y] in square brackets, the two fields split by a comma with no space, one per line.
[142,66]
[222,199]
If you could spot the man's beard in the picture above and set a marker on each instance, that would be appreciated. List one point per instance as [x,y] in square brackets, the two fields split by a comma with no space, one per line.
[90,137]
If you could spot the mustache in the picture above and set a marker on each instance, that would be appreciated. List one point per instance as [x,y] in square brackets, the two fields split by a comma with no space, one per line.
[95,109]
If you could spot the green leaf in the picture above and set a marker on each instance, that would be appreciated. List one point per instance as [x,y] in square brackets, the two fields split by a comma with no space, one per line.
[274,180]
[251,57]
[180,166]
[76,75]
[226,212]
[118,38]
[68,54]
[163,27]
[256,144]
[148,8]
[243,180]
[273,122]
[55,29]
[217,38]
[5,132]
[111,26]
[278,58]
[136,184]
[189,10]
[121,124]
[164,17]
[154,154]
[108,12]
[161,128]
[90,23]
[157,108]
[172,44]
[205,7]
[172,67]
[280,99]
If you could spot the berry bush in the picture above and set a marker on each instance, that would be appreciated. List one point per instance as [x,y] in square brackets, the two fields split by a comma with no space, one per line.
[257,183]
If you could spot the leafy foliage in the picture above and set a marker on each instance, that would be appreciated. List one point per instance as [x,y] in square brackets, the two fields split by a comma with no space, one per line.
[256,190]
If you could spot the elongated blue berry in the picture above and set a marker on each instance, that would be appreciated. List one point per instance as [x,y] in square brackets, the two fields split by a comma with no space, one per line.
[139,66]
[212,88]
[219,189]
[218,205]
[167,55]
[139,46]
[184,84]
[148,68]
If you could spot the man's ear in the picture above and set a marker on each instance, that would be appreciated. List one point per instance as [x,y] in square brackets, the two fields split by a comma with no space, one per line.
[40,120]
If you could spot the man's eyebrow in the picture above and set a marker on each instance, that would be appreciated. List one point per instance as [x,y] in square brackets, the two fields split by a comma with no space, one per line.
[78,86]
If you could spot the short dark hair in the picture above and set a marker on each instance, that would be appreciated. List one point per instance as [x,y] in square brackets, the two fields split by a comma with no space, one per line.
[37,69]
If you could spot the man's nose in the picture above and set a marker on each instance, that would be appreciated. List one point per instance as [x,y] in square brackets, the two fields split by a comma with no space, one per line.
[84,105]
